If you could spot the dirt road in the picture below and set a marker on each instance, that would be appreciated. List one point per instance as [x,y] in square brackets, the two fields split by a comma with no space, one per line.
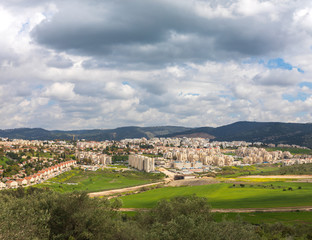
[122,190]
[239,210]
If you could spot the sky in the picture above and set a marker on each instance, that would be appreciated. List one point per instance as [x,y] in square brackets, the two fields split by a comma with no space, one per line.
[79,64]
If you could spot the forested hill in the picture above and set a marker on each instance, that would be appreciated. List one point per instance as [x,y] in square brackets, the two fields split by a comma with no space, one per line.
[94,135]
[267,132]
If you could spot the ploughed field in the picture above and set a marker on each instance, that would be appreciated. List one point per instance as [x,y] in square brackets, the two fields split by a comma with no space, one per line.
[228,195]
[100,180]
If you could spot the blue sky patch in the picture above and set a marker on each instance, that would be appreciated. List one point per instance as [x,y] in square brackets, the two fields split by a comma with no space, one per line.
[273,63]
[278,63]
[306,84]
[300,96]
[192,94]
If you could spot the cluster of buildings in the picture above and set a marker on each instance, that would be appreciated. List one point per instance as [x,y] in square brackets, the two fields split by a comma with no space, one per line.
[194,158]
[253,155]
[183,154]
[94,157]
[42,175]
[142,163]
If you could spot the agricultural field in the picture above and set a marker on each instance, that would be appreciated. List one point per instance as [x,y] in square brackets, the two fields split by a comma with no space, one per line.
[100,180]
[227,195]
[268,217]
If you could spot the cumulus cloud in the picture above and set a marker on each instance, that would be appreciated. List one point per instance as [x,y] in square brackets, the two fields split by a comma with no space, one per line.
[100,64]
[60,91]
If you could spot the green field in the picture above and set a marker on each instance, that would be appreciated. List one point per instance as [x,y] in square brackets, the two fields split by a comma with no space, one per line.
[79,180]
[268,217]
[224,195]
[291,150]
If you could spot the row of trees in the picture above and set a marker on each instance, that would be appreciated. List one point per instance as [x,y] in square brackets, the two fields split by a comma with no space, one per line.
[41,214]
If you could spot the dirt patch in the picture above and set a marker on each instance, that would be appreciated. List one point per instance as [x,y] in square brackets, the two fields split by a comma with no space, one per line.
[121,190]
[193,182]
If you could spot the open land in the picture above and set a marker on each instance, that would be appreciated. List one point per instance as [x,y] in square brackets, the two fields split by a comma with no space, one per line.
[255,198]
[100,180]
[227,196]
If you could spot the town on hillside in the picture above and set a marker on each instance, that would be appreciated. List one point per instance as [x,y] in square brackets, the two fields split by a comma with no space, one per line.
[24,162]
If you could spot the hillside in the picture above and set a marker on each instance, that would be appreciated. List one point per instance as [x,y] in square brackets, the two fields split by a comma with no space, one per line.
[267,132]
[95,134]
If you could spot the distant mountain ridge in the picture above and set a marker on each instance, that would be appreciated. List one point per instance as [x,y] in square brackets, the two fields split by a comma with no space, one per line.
[267,132]
[90,135]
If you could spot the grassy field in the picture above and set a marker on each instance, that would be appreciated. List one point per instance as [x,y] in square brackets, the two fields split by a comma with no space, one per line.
[224,195]
[258,218]
[78,180]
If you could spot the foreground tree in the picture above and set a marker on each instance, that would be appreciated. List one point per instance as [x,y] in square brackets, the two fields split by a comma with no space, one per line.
[189,218]
[50,215]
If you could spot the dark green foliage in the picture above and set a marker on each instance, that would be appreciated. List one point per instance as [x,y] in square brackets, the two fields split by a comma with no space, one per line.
[41,214]
[48,215]
[189,218]
[120,158]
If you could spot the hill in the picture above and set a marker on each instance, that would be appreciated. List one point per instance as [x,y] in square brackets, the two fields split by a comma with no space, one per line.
[95,134]
[267,132]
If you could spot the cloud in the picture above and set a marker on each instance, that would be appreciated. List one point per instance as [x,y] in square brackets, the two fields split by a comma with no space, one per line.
[60,91]
[101,64]
[161,32]
[60,62]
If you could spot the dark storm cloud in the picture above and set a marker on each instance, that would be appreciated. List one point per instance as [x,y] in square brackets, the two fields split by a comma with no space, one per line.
[154,32]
